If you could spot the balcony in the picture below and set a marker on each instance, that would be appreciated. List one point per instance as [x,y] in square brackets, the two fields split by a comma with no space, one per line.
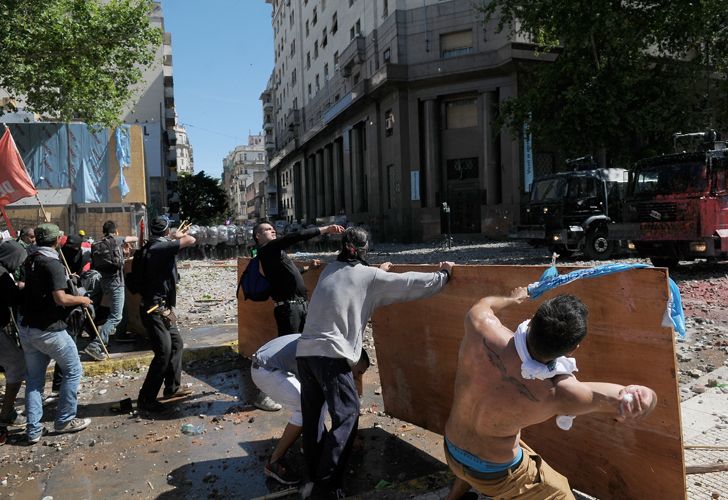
[293,118]
[353,54]
[268,126]
[267,106]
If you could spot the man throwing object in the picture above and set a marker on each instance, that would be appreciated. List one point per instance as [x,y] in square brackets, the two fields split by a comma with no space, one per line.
[508,381]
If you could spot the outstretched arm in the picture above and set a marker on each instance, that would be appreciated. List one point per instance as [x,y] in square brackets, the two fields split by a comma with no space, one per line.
[624,402]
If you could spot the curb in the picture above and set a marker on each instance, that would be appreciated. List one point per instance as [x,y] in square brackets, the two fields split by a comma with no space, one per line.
[137,361]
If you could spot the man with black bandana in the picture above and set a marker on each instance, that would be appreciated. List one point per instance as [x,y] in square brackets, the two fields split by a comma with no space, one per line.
[345,297]
[12,255]
[159,297]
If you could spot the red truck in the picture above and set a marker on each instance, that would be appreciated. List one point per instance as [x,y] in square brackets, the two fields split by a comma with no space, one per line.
[676,206]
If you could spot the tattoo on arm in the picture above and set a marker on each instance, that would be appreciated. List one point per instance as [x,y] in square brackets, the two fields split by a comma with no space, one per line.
[498,363]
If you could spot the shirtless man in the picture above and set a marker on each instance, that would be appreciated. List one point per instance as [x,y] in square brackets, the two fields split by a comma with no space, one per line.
[493,401]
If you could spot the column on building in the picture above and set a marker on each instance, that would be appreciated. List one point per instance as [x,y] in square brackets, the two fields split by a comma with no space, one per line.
[319,183]
[328,170]
[357,189]
[310,172]
[431,171]
[338,175]
[493,185]
[299,190]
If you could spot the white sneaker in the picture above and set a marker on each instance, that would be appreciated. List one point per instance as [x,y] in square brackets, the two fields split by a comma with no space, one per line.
[75,425]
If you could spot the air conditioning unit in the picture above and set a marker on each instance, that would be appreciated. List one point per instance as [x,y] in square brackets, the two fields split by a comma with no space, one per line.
[389,123]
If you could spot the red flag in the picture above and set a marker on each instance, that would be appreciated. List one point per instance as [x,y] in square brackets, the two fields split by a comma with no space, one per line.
[14,181]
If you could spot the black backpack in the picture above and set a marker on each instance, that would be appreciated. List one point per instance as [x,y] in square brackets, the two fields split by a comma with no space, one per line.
[107,256]
[135,278]
[255,286]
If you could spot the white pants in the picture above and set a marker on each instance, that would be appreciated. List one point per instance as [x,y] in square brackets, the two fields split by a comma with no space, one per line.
[283,387]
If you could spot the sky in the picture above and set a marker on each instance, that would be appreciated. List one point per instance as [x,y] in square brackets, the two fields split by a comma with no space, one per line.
[222,57]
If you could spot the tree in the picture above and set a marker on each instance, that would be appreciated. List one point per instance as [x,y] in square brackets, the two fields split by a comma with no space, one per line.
[75,59]
[202,199]
[626,74]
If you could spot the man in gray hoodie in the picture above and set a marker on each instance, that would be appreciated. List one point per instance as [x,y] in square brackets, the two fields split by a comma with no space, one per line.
[344,299]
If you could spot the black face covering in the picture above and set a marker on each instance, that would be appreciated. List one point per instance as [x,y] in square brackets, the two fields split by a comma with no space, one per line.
[12,255]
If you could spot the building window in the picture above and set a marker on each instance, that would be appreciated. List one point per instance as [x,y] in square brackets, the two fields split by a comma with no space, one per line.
[295,103]
[385,8]
[318,86]
[387,55]
[334,24]
[324,38]
[306,27]
[314,19]
[308,60]
[462,168]
[351,33]
[326,71]
[351,2]
[336,59]
[356,78]
[293,47]
[309,90]
[315,49]
[462,113]
[456,44]
[323,5]
[293,77]
[358,27]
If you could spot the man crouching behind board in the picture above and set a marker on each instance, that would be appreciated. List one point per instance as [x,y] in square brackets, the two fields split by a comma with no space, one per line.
[506,381]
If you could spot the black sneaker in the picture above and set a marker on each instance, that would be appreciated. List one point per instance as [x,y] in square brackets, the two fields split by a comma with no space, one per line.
[75,425]
[153,406]
[94,353]
[14,420]
[3,435]
[280,472]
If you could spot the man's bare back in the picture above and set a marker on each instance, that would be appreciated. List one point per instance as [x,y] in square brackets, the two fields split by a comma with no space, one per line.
[492,402]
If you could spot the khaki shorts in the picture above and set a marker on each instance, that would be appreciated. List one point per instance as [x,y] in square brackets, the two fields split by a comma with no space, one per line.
[534,479]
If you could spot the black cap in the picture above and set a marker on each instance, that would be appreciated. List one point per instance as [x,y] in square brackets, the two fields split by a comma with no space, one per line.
[159,225]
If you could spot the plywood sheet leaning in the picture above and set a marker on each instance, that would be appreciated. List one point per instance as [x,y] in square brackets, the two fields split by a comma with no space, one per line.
[256,323]
[417,345]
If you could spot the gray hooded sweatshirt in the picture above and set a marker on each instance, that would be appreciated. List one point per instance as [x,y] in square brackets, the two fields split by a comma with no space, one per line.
[344,300]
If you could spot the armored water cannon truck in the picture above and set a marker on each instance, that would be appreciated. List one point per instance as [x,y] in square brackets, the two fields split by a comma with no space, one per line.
[572,211]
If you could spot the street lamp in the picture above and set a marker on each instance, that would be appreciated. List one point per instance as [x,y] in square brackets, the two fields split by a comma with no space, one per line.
[446,211]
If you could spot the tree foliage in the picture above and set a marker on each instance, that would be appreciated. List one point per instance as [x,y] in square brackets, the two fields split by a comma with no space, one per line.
[626,75]
[202,198]
[75,59]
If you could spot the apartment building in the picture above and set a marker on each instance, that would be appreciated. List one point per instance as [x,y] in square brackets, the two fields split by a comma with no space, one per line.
[383,110]
[152,106]
[243,167]
[185,157]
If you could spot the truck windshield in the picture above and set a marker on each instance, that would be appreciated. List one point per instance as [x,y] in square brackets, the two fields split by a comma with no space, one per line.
[548,189]
[667,179]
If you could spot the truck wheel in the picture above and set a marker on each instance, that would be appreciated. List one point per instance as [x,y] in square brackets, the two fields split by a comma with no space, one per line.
[597,244]
[669,262]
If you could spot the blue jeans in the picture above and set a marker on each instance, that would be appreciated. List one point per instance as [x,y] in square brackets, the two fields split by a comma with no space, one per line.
[39,348]
[114,289]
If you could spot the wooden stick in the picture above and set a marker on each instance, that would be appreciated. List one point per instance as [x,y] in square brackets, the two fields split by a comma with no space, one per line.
[706,468]
[278,494]
[704,447]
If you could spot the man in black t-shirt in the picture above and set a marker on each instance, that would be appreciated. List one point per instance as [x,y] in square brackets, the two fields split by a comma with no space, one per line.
[159,297]
[287,288]
[43,335]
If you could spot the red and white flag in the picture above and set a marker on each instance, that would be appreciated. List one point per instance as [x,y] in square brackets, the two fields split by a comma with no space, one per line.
[14,181]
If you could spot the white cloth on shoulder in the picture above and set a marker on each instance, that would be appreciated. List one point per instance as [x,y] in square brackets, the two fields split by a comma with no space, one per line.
[532,369]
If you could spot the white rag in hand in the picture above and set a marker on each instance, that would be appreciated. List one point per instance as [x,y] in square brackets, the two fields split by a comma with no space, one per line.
[532,369]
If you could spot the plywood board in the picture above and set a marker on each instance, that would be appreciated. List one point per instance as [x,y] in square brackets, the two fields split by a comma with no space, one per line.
[256,324]
[417,345]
